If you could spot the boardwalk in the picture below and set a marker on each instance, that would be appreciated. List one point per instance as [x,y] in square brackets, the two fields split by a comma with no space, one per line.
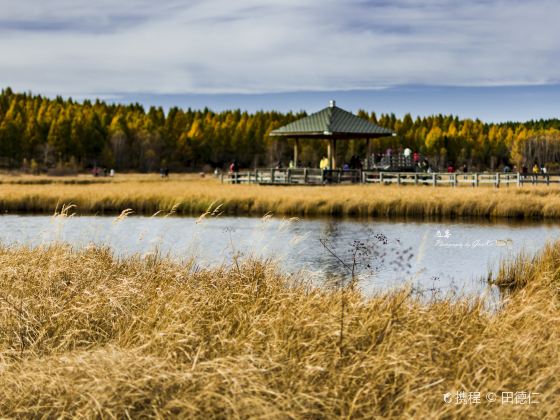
[312,176]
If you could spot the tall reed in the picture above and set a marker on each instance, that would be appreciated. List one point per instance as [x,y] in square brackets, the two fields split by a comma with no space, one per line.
[86,334]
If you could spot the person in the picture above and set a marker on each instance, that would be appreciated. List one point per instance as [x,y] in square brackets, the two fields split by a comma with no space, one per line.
[161,172]
[465,168]
[507,169]
[358,164]
[112,173]
[234,167]
[524,170]
[407,152]
[543,169]
[416,157]
[166,172]
[233,170]
[450,168]
[355,162]
[291,164]
[536,168]
[324,165]
[345,167]
[279,165]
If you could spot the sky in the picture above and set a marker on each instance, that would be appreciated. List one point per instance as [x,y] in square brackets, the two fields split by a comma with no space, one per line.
[492,59]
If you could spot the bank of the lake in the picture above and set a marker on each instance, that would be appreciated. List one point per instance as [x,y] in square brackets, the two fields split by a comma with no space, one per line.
[148,194]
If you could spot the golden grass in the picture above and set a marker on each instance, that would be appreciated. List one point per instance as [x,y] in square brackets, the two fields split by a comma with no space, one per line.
[148,194]
[83,334]
[524,269]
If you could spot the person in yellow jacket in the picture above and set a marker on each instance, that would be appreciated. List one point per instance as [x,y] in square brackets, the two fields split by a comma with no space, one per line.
[324,165]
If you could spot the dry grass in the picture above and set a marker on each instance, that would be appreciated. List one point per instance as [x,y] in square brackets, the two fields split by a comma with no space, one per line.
[83,334]
[148,194]
[525,270]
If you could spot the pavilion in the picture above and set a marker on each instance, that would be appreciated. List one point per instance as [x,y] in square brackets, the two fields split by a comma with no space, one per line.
[332,124]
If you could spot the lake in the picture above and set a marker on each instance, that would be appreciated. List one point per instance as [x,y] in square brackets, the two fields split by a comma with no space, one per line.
[450,257]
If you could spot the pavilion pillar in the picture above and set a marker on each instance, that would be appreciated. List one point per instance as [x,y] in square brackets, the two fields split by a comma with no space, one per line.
[368,151]
[296,153]
[332,153]
[329,153]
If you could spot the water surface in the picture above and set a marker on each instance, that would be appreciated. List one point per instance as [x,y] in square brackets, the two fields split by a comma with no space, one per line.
[447,257]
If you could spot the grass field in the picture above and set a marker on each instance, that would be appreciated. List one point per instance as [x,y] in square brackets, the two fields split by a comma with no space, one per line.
[146,194]
[83,334]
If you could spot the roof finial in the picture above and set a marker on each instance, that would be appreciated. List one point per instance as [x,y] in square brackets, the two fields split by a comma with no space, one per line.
[332,103]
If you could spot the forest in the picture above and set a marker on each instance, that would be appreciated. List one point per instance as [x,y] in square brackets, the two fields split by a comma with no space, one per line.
[57,135]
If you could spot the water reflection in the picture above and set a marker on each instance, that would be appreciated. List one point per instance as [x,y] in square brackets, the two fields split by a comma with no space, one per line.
[431,257]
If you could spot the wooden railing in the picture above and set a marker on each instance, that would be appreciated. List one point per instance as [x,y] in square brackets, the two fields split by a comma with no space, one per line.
[293,176]
[313,176]
[443,178]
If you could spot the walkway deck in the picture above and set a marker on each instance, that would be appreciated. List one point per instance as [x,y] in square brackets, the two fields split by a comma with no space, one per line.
[312,176]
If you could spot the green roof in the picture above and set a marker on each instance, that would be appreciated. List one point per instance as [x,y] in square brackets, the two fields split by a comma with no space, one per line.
[332,122]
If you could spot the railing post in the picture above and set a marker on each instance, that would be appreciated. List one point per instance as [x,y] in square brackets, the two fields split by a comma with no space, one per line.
[518,179]
[289,175]
[415,178]
[222,177]
[399,178]
[272,175]
[497,180]
[434,181]
[547,179]
[476,179]
[380,177]
[454,180]
[305,175]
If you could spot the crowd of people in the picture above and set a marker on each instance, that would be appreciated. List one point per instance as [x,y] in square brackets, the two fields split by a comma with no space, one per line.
[98,171]
[403,159]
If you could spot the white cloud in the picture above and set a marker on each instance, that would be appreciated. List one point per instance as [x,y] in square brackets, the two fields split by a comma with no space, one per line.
[99,47]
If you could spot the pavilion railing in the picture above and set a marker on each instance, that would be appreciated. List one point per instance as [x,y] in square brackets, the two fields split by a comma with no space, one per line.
[313,176]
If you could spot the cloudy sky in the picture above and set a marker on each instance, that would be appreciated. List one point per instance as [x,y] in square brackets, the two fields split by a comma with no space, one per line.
[497,59]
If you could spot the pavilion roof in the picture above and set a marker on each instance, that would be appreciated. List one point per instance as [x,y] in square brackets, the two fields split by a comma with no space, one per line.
[332,122]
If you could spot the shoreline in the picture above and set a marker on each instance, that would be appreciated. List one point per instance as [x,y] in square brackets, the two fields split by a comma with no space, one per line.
[189,195]
[483,221]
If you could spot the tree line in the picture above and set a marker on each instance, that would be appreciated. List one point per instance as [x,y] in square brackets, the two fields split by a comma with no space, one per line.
[39,133]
